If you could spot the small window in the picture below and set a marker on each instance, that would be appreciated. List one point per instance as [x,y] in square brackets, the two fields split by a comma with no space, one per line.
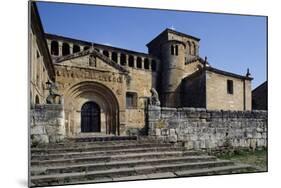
[177,50]
[131,61]
[146,63]
[172,50]
[230,86]
[123,59]
[114,57]
[131,100]
[105,52]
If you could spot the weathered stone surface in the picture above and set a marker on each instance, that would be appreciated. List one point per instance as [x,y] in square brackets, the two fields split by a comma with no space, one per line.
[47,125]
[221,129]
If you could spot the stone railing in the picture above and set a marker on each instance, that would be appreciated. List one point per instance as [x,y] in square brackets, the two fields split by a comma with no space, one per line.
[199,128]
[47,124]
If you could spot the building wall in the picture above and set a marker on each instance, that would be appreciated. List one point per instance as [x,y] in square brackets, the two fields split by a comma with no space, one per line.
[194,91]
[260,97]
[40,66]
[209,129]
[218,98]
[72,72]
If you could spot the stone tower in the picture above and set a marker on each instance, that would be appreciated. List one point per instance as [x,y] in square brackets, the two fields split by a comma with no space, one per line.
[173,49]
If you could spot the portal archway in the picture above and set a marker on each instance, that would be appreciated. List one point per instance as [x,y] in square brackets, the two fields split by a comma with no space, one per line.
[83,93]
[90,117]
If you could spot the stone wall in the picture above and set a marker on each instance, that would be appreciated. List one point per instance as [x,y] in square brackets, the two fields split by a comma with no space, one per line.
[47,124]
[199,128]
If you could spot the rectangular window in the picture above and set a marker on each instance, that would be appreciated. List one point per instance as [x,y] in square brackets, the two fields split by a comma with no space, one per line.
[131,100]
[230,86]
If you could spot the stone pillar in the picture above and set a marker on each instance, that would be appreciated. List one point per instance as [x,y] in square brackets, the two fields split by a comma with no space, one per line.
[142,62]
[70,48]
[135,61]
[127,59]
[60,48]
[154,115]
[110,55]
[118,58]
[149,64]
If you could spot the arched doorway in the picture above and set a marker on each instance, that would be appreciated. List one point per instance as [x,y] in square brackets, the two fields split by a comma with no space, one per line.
[79,95]
[90,117]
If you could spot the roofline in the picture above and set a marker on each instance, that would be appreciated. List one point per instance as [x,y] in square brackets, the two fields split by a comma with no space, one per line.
[36,20]
[227,73]
[261,85]
[175,32]
[49,35]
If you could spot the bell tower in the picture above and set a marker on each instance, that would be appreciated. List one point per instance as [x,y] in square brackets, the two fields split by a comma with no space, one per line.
[173,49]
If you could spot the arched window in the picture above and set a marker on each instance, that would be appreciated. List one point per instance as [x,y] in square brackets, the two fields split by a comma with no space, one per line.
[177,50]
[146,63]
[105,52]
[86,47]
[76,48]
[172,50]
[37,99]
[65,49]
[153,65]
[123,59]
[114,57]
[139,62]
[131,61]
[54,48]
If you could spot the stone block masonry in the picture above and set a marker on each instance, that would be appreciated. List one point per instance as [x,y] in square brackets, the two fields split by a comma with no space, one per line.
[47,124]
[199,128]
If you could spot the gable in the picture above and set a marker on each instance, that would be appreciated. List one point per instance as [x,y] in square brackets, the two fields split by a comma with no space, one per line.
[91,59]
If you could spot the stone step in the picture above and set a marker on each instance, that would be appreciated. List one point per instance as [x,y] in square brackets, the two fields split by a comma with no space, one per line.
[48,150]
[103,138]
[102,158]
[237,168]
[67,155]
[56,179]
[73,143]
[117,164]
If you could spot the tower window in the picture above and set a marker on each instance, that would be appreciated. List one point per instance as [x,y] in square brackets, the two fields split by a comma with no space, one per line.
[177,50]
[172,50]
[131,100]
[230,86]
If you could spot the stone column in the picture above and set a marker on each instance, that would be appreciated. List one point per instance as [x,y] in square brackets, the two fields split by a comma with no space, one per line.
[149,64]
[135,61]
[127,59]
[118,58]
[110,55]
[70,48]
[60,48]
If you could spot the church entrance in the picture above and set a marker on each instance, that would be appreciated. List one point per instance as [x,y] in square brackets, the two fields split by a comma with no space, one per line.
[90,117]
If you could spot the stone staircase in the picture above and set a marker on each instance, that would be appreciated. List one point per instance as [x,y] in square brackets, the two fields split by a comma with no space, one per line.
[86,161]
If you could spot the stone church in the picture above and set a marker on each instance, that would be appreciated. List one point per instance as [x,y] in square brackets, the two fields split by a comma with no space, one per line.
[105,90]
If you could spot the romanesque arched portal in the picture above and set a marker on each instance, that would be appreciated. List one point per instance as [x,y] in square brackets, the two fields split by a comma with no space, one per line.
[91,107]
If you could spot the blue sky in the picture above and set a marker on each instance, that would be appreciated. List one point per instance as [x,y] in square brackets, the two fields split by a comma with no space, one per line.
[231,42]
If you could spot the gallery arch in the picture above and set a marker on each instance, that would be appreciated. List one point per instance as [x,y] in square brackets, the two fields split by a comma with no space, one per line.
[91,107]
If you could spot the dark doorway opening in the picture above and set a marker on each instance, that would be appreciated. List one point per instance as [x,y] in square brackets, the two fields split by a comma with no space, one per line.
[90,117]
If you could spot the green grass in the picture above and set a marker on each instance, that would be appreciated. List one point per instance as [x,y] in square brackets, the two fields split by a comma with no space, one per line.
[256,158]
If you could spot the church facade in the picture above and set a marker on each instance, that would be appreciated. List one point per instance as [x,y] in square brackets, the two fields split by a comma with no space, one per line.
[105,90]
